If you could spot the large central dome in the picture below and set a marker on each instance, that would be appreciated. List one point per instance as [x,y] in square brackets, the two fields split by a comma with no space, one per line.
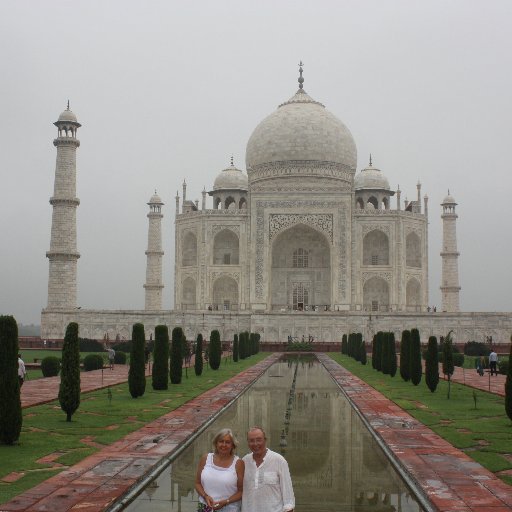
[301,129]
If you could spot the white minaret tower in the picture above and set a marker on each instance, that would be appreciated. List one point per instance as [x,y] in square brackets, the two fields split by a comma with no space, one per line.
[63,254]
[450,279]
[154,255]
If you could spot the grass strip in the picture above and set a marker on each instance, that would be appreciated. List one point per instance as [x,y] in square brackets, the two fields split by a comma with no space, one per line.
[100,420]
[484,432]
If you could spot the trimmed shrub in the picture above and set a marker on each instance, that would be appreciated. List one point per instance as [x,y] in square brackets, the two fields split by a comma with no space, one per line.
[432,364]
[458,359]
[503,366]
[160,371]
[198,361]
[392,354]
[405,348]
[476,348]
[137,371]
[257,338]
[235,349]
[448,365]
[242,341]
[120,357]
[378,350]
[88,345]
[176,367]
[93,362]
[123,346]
[374,348]
[215,350]
[362,349]
[415,369]
[69,389]
[10,404]
[508,385]
[50,366]
[384,354]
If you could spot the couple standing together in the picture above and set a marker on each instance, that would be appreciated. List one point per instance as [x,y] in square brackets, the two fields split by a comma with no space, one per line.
[260,482]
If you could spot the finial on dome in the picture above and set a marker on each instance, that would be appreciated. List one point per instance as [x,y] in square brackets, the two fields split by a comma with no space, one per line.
[301,79]
[448,191]
[370,159]
[68,105]
[155,191]
[232,164]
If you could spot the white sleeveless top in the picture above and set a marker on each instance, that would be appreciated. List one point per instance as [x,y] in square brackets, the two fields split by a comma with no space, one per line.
[220,483]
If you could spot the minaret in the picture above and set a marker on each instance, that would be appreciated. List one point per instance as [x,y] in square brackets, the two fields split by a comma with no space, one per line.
[450,275]
[63,254]
[154,255]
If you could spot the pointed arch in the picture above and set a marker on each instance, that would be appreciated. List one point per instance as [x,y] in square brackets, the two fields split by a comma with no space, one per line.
[226,249]
[189,250]
[376,294]
[413,250]
[376,248]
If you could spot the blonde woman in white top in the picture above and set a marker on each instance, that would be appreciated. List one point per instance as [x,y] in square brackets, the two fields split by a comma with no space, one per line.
[220,475]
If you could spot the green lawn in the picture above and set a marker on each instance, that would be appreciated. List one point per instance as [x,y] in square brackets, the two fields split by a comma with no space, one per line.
[45,430]
[484,433]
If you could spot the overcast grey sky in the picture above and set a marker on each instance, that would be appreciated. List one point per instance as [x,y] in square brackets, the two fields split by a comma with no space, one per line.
[169,90]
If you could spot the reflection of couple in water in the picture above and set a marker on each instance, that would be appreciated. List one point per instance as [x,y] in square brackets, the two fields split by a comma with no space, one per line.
[260,482]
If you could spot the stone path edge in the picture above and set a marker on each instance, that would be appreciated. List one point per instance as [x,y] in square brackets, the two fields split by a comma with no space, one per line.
[449,479]
[114,474]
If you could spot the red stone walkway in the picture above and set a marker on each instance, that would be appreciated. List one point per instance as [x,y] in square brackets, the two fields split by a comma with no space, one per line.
[40,391]
[494,384]
[95,483]
[452,481]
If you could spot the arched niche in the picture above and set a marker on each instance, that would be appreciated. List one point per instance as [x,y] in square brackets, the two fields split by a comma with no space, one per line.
[376,248]
[300,269]
[225,293]
[360,203]
[226,248]
[242,205]
[376,294]
[374,202]
[189,250]
[188,293]
[230,203]
[413,294]
[413,250]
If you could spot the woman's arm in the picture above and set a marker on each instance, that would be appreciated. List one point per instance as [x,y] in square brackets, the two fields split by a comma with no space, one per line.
[198,485]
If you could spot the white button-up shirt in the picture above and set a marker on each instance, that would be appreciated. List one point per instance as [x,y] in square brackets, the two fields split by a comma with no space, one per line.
[267,488]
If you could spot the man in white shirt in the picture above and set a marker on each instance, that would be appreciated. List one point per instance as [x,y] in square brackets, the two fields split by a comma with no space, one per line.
[22,372]
[267,481]
[493,363]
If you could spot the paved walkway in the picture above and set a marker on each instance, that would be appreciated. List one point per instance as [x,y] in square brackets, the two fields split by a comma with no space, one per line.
[41,391]
[494,384]
[448,477]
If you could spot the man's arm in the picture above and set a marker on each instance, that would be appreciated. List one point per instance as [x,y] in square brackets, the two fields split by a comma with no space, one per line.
[285,481]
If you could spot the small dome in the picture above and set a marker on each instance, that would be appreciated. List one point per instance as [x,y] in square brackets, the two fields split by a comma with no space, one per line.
[230,179]
[301,129]
[68,116]
[371,178]
[155,199]
[449,199]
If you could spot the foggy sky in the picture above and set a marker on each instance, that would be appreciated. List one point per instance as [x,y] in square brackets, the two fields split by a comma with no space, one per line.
[170,90]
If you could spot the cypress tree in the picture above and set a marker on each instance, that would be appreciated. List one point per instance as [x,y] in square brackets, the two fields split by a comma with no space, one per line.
[215,353]
[258,337]
[357,347]
[252,344]
[378,351]
[362,357]
[385,359]
[10,403]
[508,385]
[374,348]
[198,361]
[432,364]
[235,349]
[243,344]
[392,354]
[176,366]
[160,372]
[448,366]
[415,368]
[405,348]
[344,344]
[69,389]
[137,372]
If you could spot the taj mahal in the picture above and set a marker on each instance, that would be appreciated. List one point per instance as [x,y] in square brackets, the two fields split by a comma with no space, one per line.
[301,243]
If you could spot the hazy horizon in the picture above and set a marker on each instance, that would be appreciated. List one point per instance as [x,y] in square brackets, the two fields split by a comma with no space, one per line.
[167,91]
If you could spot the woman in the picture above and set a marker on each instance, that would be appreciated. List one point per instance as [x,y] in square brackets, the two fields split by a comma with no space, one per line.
[220,475]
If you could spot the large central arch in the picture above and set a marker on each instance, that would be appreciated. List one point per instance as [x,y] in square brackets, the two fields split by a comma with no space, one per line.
[300,269]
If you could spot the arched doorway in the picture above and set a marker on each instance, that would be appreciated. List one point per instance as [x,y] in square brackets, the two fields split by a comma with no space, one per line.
[301,269]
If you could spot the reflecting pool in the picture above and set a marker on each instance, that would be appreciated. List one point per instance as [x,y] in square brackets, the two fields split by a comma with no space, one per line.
[334,461]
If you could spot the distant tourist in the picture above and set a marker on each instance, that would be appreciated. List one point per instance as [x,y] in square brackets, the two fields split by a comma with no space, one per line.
[479,366]
[111,357]
[493,363]
[22,372]
[267,481]
[220,475]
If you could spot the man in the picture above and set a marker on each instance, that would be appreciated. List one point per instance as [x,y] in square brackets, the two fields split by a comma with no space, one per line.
[267,482]
[22,372]
[111,357]
[493,362]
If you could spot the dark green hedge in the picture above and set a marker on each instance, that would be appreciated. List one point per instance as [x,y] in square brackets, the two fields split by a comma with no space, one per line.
[137,371]
[93,362]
